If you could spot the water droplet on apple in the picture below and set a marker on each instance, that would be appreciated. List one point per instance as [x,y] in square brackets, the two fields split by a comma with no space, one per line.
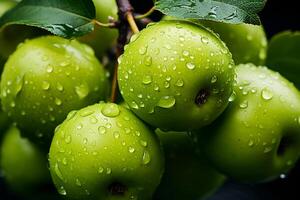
[86,113]
[100,170]
[82,90]
[244,104]
[166,102]
[58,172]
[146,158]
[134,105]
[49,69]
[148,60]
[190,65]
[143,50]
[147,79]
[232,97]
[58,101]
[131,149]
[45,85]
[68,139]
[179,83]
[110,110]
[62,191]
[59,87]
[214,79]
[101,130]
[78,183]
[266,94]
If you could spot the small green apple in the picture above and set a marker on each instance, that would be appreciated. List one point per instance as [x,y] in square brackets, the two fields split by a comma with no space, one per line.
[5,5]
[105,152]
[101,39]
[23,164]
[46,78]
[258,137]
[176,75]
[246,42]
[187,174]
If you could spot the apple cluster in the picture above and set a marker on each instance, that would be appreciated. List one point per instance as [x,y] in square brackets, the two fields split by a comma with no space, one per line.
[197,107]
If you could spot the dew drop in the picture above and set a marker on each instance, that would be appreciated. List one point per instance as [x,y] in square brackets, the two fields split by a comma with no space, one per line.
[58,172]
[266,94]
[166,102]
[49,69]
[59,87]
[134,105]
[62,191]
[232,97]
[143,50]
[147,79]
[190,66]
[110,110]
[205,40]
[148,60]
[131,149]
[78,183]
[101,130]
[146,158]
[68,139]
[214,79]
[100,170]
[58,101]
[108,170]
[179,83]
[45,85]
[244,104]
[82,90]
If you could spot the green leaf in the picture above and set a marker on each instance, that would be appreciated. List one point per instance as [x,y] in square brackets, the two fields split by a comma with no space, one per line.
[283,55]
[229,11]
[66,18]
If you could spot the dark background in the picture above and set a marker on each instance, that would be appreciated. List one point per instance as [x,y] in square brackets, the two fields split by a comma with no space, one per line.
[277,16]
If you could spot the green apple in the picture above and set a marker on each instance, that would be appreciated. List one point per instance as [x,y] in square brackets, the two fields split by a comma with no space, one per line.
[105,152]
[246,42]
[101,39]
[46,78]
[187,174]
[258,136]
[176,75]
[5,5]
[23,164]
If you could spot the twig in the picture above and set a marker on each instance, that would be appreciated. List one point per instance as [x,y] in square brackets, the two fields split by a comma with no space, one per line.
[126,19]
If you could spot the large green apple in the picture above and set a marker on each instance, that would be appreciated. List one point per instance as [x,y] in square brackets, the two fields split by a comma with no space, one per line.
[101,39]
[46,78]
[176,75]
[105,152]
[23,164]
[258,136]
[187,174]
[246,42]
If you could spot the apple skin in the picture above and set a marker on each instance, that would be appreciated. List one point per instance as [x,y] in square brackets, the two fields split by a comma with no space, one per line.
[246,42]
[257,138]
[176,75]
[23,164]
[188,175]
[45,79]
[105,152]
[101,39]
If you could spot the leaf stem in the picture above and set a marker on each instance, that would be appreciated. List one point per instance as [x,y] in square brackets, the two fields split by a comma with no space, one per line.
[149,12]
[106,25]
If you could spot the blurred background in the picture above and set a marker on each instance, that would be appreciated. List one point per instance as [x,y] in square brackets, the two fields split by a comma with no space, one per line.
[276,17]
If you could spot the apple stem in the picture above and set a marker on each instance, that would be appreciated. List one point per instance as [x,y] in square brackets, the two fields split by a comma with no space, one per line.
[126,19]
